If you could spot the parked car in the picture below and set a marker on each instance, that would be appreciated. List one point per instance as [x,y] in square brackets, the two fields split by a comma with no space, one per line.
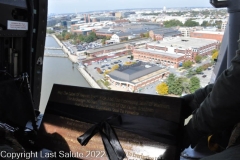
[204,76]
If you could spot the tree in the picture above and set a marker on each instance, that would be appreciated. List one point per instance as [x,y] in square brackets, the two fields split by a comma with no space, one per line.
[214,51]
[146,35]
[116,66]
[198,58]
[194,84]
[199,70]
[187,64]
[141,35]
[67,36]
[191,72]
[185,85]
[162,89]
[131,57]
[191,23]
[103,41]
[215,55]
[170,82]
[205,24]
[172,23]
[49,31]
[178,88]
[218,24]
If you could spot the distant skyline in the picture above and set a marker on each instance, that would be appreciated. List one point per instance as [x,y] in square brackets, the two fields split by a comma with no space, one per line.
[73,6]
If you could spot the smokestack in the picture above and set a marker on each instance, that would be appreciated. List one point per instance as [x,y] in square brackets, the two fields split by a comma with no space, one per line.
[89,19]
[85,19]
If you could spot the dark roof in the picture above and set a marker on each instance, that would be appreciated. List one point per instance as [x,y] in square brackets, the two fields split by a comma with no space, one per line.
[167,31]
[113,46]
[130,73]
[123,34]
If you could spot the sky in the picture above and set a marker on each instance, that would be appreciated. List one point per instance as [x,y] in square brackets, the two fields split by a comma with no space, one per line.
[73,6]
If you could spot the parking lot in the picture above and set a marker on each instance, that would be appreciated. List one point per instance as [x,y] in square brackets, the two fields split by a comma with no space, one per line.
[105,65]
[205,77]
[150,89]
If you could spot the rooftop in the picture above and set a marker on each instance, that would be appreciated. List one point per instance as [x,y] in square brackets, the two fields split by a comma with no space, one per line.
[183,42]
[116,46]
[167,54]
[136,73]
[209,32]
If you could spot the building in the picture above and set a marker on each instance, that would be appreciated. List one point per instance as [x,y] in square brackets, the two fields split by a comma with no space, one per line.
[159,34]
[185,31]
[119,37]
[159,57]
[84,28]
[208,35]
[172,51]
[120,15]
[136,76]
[224,25]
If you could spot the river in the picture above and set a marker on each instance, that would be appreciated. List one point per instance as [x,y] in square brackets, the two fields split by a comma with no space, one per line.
[58,70]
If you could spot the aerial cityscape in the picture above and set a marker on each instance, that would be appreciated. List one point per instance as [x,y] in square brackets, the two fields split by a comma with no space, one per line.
[161,51]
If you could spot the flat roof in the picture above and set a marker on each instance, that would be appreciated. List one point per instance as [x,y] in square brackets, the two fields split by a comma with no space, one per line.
[136,73]
[115,46]
[183,42]
[175,55]
[209,32]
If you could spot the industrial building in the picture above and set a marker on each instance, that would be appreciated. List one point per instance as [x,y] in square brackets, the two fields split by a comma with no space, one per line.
[136,76]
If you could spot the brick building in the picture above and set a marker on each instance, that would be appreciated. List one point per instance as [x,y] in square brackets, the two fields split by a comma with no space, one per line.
[159,34]
[136,76]
[159,57]
[172,51]
[208,35]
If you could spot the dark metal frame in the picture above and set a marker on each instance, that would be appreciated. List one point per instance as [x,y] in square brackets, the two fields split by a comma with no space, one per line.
[231,35]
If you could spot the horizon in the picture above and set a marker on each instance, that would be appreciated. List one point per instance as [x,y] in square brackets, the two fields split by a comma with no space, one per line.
[83,6]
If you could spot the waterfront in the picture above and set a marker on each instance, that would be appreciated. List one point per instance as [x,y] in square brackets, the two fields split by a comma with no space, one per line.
[58,70]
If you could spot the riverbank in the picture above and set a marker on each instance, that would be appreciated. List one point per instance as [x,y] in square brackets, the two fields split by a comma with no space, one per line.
[55,55]
[74,59]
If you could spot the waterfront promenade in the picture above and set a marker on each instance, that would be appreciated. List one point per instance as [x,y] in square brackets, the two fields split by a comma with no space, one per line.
[74,59]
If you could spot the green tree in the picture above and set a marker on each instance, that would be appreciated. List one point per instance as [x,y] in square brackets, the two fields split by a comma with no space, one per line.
[170,82]
[185,85]
[178,88]
[191,23]
[199,70]
[162,89]
[218,24]
[131,57]
[172,23]
[187,64]
[205,24]
[194,84]
[49,31]
[198,58]
[64,32]
[191,72]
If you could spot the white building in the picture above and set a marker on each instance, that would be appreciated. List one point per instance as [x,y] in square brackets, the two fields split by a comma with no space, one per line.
[224,24]
[187,30]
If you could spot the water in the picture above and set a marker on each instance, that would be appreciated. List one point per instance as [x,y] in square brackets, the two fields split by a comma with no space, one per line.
[50,42]
[58,70]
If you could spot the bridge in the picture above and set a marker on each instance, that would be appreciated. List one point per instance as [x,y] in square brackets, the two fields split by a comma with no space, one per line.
[53,48]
